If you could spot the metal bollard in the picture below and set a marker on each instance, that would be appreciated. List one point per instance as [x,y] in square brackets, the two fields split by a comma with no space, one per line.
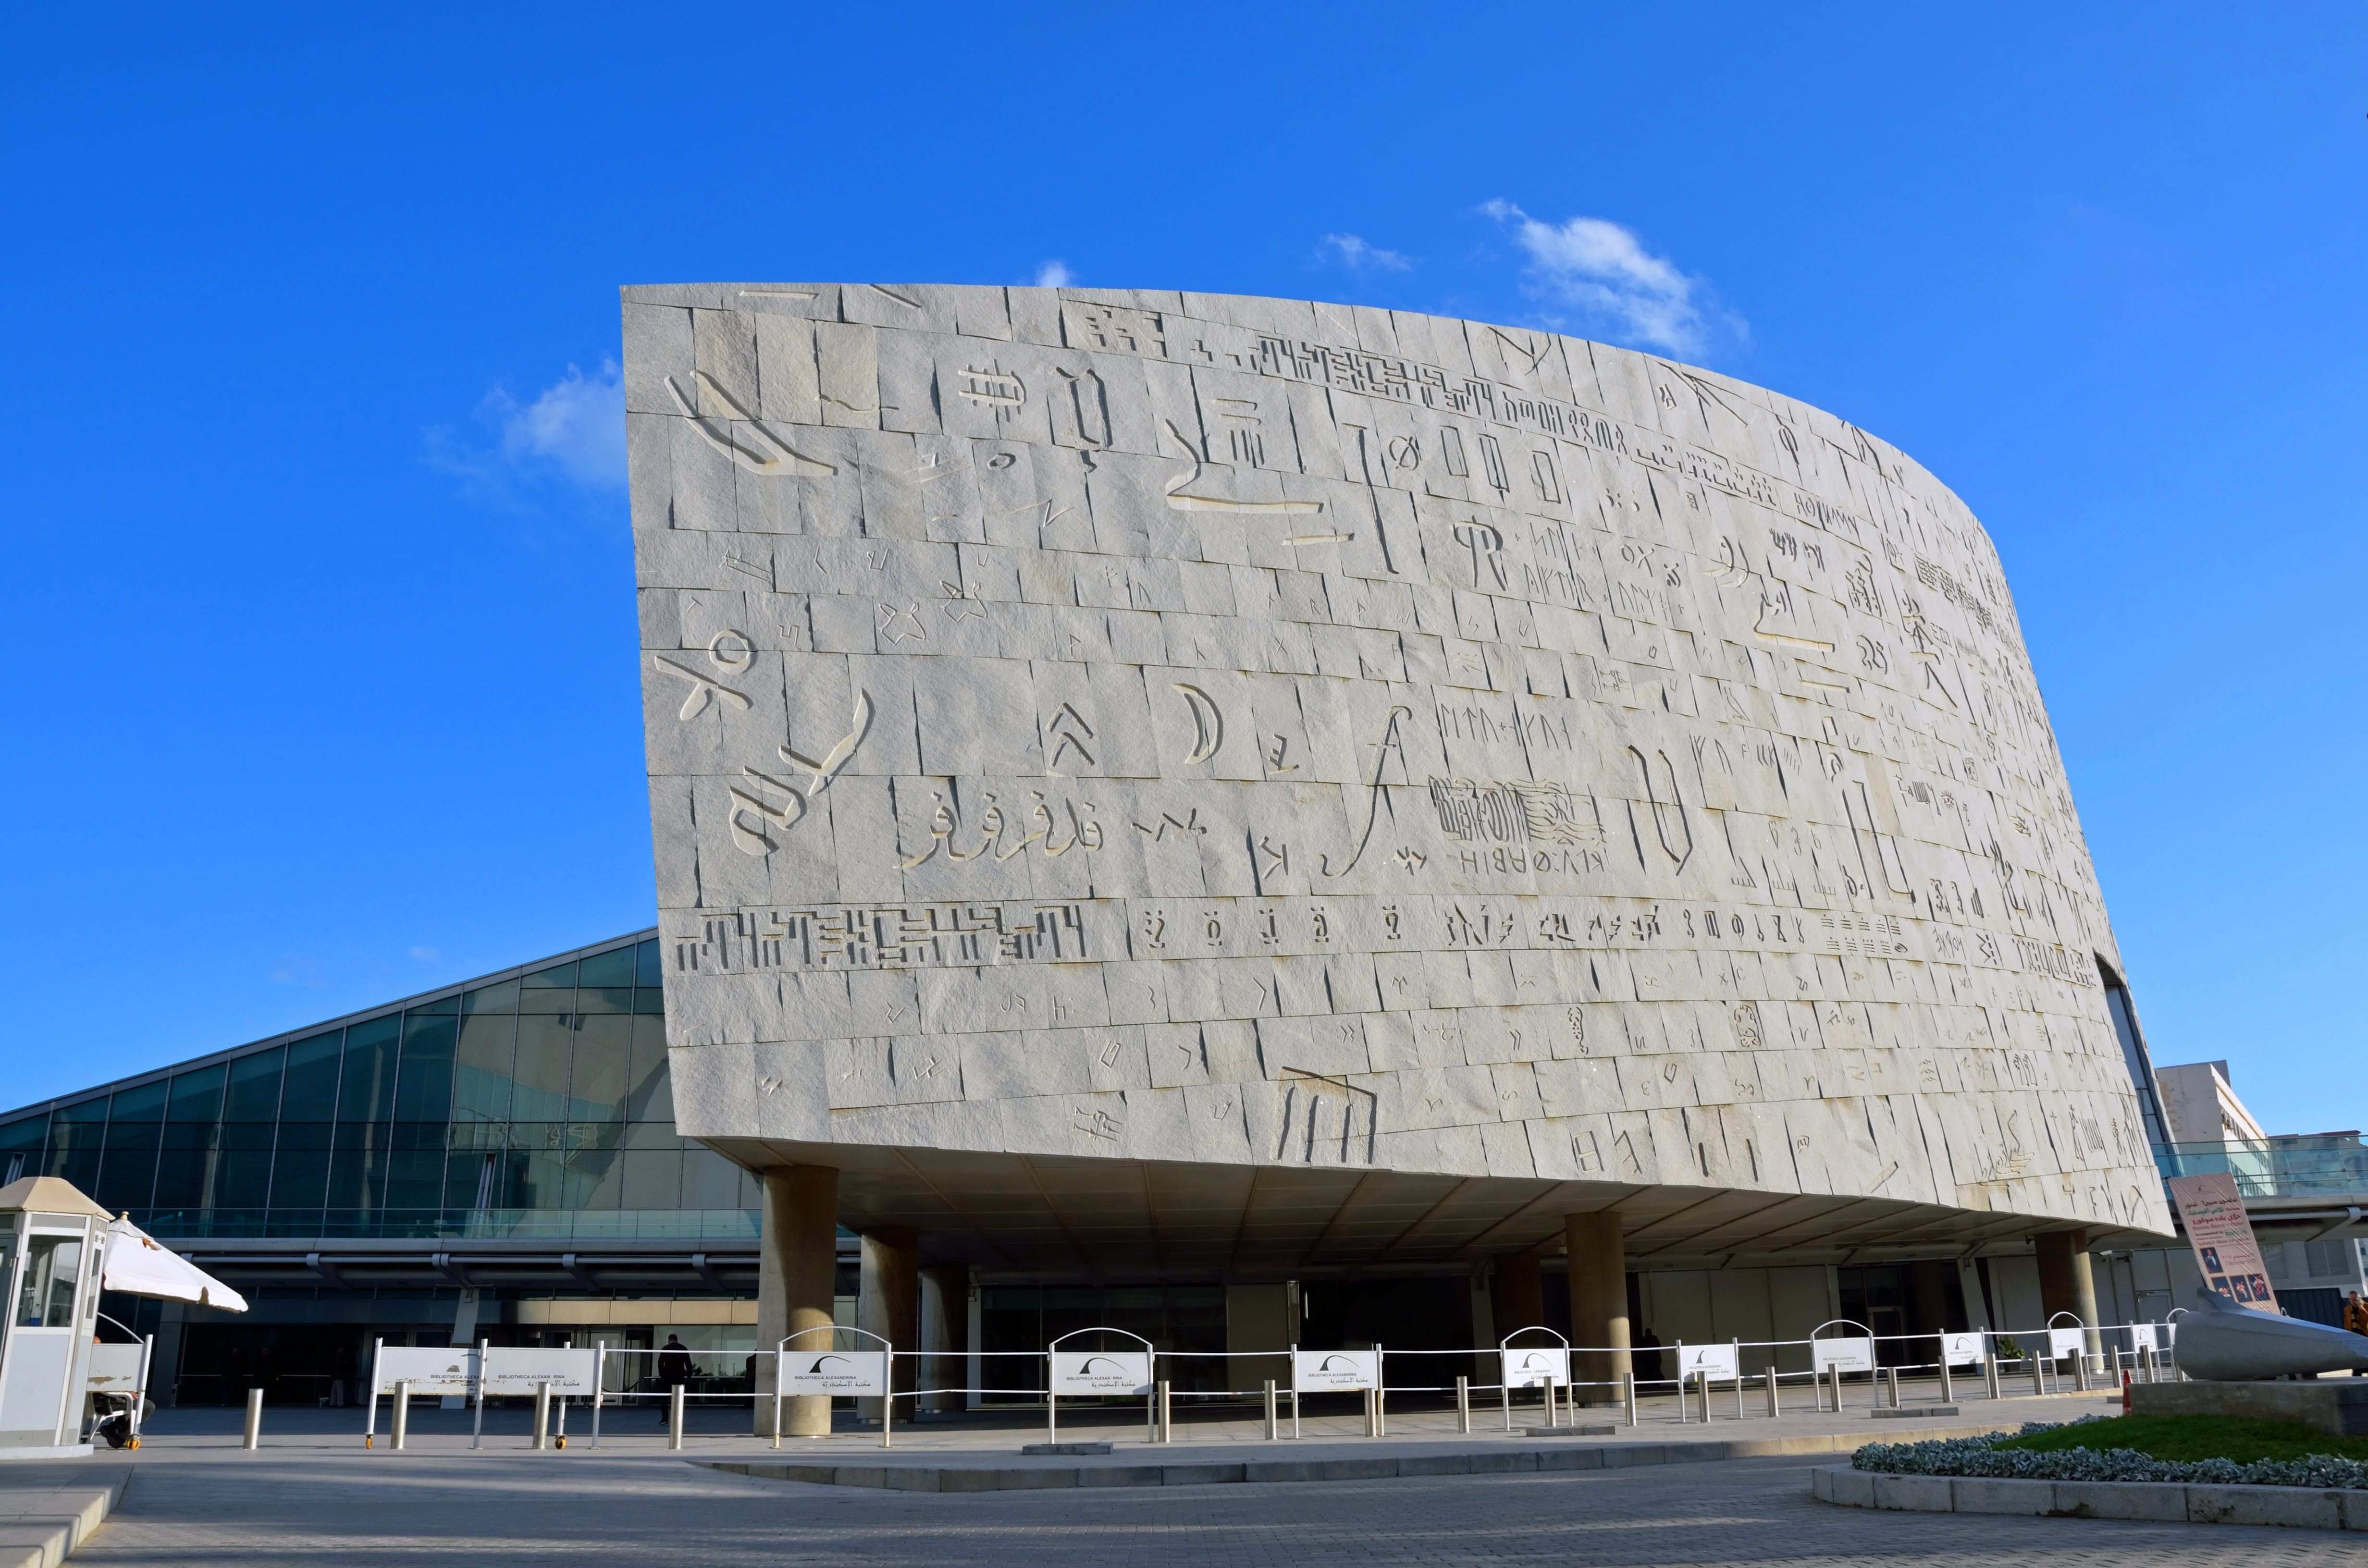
[1891,1378]
[1368,1414]
[1462,1406]
[1838,1387]
[1273,1420]
[1628,1395]
[542,1413]
[1947,1384]
[2081,1370]
[1990,1374]
[1554,1411]
[1167,1414]
[2038,1374]
[400,1431]
[674,1417]
[1380,1412]
[1773,1410]
[253,1439]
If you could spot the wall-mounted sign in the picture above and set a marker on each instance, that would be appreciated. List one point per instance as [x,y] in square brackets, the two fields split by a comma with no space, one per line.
[1849,1355]
[428,1370]
[2223,1239]
[1536,1367]
[1335,1371]
[808,1373]
[1077,1372]
[1718,1360]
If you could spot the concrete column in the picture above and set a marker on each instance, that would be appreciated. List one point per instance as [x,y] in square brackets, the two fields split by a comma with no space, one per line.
[2066,1282]
[797,1277]
[945,1328]
[888,1302]
[1598,1297]
[1520,1295]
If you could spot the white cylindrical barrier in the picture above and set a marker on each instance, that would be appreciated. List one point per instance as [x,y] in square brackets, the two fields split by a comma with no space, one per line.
[542,1413]
[673,1418]
[401,1426]
[253,1439]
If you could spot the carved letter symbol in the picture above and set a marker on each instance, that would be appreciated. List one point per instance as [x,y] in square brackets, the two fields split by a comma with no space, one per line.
[765,453]
[1208,722]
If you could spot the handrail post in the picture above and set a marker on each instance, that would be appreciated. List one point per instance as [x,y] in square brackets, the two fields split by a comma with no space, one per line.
[477,1424]
[370,1427]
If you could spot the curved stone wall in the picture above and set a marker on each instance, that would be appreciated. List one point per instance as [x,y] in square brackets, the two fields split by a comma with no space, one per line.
[1245,731]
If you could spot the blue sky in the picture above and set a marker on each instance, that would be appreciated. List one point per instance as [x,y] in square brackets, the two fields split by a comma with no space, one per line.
[319,593]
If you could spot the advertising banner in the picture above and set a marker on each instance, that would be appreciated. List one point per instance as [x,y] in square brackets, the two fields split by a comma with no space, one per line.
[2223,1239]
[1080,1372]
[1718,1360]
[1849,1355]
[1339,1371]
[1536,1367]
[449,1369]
[833,1372]
[1962,1349]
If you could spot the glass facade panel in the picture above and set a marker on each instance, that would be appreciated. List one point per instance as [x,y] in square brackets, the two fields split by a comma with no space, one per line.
[538,1107]
[76,1133]
[422,1088]
[20,1147]
[252,1093]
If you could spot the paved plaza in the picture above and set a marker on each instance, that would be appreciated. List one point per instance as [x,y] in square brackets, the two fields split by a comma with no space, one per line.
[314,1496]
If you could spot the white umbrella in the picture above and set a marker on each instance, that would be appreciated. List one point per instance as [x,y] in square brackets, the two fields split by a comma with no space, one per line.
[137,1263]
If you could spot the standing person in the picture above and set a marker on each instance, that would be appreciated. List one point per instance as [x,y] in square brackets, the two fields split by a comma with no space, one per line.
[673,1363]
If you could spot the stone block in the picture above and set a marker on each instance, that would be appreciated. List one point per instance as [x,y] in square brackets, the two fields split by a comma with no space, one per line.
[2119,1499]
[1999,1494]
[1850,1487]
[2290,1505]
[1918,1493]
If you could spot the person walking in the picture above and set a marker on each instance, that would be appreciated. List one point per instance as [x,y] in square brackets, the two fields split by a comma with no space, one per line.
[674,1369]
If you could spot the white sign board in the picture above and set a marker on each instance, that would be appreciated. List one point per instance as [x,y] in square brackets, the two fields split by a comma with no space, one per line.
[2063,1342]
[428,1370]
[2142,1337]
[115,1368]
[1335,1371]
[833,1372]
[1719,1360]
[2225,1248]
[1962,1349]
[517,1370]
[1536,1367]
[1101,1373]
[1849,1355]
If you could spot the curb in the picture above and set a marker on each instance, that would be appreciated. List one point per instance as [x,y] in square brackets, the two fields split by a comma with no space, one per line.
[2296,1507]
[41,1529]
[1490,1460]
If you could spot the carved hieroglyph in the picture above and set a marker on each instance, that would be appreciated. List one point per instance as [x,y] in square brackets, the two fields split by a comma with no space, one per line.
[1206,729]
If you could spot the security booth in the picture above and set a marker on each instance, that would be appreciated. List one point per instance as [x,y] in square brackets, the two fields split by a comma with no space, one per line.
[51,1241]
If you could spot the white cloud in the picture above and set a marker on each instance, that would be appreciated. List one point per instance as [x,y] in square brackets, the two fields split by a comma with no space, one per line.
[1054,274]
[575,425]
[1357,255]
[1602,270]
